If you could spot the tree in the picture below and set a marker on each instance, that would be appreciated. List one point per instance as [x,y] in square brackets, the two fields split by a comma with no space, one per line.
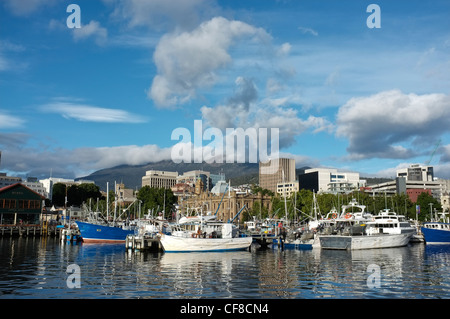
[424,200]
[76,194]
[154,199]
[59,194]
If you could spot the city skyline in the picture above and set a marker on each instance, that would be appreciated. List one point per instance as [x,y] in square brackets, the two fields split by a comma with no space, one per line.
[342,93]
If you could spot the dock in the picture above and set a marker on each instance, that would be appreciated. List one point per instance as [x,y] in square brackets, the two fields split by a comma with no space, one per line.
[143,243]
[265,240]
[28,230]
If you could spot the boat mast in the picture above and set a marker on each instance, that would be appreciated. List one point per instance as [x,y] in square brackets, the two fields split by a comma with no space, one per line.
[107,202]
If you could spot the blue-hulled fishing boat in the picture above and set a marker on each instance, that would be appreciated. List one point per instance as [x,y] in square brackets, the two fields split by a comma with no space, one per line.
[436,232]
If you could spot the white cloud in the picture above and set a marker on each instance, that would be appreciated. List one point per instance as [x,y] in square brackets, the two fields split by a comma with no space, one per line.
[187,61]
[8,121]
[92,29]
[88,113]
[305,30]
[375,125]
[20,158]
[25,8]
[284,49]
[163,14]
[243,110]
[8,49]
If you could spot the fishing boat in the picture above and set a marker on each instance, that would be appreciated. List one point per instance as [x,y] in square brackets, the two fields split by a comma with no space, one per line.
[98,233]
[214,236]
[98,230]
[354,242]
[436,232]
[364,231]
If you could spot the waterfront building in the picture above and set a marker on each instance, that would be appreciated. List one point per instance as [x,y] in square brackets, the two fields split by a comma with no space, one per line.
[125,196]
[287,188]
[329,180]
[159,179]
[276,171]
[226,205]
[192,177]
[20,204]
[182,190]
[412,188]
[215,178]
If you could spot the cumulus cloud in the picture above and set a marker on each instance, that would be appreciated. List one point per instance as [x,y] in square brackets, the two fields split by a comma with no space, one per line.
[22,159]
[187,61]
[88,113]
[91,30]
[244,110]
[376,125]
[445,153]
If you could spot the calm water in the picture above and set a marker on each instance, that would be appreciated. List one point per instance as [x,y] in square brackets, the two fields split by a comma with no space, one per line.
[36,268]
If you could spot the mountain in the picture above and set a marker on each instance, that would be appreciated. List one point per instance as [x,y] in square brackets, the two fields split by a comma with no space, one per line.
[131,175]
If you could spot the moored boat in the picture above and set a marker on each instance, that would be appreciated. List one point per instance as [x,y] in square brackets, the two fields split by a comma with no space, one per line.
[97,233]
[354,242]
[219,237]
[436,232]
[388,222]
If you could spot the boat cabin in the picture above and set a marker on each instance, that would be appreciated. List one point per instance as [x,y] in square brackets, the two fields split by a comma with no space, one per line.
[388,222]
[437,225]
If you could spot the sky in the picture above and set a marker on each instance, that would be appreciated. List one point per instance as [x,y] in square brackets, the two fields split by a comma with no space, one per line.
[346,87]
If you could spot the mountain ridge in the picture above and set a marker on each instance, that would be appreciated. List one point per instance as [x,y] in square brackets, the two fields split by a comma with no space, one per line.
[131,175]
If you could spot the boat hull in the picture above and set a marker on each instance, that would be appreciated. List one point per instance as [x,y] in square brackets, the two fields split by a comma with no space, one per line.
[183,244]
[92,233]
[295,244]
[363,242]
[436,236]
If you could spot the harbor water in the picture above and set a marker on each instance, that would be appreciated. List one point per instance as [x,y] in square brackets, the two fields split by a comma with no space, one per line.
[46,269]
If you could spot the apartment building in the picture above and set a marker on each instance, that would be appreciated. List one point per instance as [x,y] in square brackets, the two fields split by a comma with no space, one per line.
[280,170]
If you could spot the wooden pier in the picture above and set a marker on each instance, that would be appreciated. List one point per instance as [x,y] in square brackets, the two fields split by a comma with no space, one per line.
[28,231]
[265,240]
[143,243]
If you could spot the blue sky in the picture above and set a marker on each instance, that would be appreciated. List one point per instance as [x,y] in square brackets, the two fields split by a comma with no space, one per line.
[342,94]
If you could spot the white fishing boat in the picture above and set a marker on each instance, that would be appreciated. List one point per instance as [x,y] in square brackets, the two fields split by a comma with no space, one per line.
[354,242]
[219,237]
[364,231]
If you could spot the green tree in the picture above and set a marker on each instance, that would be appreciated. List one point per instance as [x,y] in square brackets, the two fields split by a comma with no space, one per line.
[153,200]
[59,194]
[424,200]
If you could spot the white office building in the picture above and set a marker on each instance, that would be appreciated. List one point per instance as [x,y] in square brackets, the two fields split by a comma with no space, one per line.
[330,180]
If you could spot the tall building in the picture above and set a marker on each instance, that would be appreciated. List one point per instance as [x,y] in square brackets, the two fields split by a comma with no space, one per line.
[329,180]
[276,171]
[159,179]
[416,172]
